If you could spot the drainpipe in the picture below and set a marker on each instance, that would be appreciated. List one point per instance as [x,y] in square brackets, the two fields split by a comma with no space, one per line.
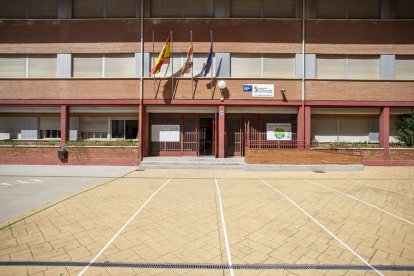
[303,73]
[141,86]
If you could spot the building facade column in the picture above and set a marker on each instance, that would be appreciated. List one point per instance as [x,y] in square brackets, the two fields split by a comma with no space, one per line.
[300,136]
[64,125]
[384,132]
[221,132]
[308,124]
[140,132]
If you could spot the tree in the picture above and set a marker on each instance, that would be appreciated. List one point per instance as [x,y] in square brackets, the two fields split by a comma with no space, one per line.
[405,132]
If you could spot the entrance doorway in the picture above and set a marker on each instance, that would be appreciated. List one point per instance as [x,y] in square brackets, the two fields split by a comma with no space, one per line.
[206,136]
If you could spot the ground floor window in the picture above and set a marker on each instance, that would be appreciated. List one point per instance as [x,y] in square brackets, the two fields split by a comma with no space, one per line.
[124,129]
[50,134]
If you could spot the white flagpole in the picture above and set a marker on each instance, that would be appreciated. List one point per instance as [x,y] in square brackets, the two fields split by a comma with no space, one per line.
[192,63]
[172,65]
[153,54]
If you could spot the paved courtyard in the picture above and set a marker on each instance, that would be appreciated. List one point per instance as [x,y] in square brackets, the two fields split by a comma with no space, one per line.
[221,222]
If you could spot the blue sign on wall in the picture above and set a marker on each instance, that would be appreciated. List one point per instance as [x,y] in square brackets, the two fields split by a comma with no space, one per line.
[247,88]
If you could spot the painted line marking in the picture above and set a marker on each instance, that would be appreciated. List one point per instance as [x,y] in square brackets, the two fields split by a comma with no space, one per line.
[322,226]
[226,240]
[363,201]
[123,227]
[22,182]
[391,191]
[36,180]
[5,185]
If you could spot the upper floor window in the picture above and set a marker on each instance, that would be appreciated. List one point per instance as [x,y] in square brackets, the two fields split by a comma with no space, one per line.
[105,8]
[262,66]
[32,9]
[358,9]
[404,9]
[347,67]
[101,66]
[28,66]
[263,8]
[182,8]
[177,62]
[404,67]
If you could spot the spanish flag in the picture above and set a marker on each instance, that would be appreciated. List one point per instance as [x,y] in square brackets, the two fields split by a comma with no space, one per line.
[189,61]
[163,57]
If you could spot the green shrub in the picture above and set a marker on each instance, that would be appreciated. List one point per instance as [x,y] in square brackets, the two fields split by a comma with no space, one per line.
[405,131]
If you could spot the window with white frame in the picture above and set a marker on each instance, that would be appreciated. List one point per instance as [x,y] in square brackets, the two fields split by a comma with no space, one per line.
[124,129]
[28,66]
[262,66]
[93,128]
[177,61]
[100,66]
[404,67]
[347,67]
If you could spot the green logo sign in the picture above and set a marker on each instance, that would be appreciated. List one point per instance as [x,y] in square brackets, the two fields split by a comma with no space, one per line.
[280,133]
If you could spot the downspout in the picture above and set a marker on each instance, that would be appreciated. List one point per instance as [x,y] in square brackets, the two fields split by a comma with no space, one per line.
[303,74]
[141,86]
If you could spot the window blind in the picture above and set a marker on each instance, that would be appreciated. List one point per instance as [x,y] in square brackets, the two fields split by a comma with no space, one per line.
[353,130]
[166,69]
[279,8]
[245,65]
[275,66]
[43,9]
[12,66]
[404,68]
[13,9]
[198,8]
[324,130]
[405,9]
[120,8]
[42,66]
[245,8]
[363,67]
[87,66]
[93,124]
[330,8]
[330,67]
[88,8]
[120,66]
[46,123]
[166,8]
[363,9]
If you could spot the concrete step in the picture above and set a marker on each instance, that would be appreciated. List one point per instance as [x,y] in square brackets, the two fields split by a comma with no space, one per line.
[192,163]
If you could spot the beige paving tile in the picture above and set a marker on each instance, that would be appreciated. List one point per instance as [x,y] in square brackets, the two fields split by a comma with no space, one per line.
[270,230]
[365,229]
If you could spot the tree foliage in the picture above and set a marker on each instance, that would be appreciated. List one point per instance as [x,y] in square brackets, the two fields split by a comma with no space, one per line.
[405,131]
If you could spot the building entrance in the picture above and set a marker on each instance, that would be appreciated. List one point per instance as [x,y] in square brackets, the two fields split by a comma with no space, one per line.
[206,136]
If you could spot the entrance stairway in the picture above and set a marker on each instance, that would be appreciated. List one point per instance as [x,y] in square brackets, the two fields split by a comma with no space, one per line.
[185,162]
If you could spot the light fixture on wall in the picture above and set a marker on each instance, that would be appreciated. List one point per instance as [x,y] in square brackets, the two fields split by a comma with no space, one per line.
[282,90]
[221,85]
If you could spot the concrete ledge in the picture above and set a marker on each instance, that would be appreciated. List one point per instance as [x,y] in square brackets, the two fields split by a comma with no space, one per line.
[316,167]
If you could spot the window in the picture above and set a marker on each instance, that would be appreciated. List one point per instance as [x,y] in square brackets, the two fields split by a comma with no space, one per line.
[176,63]
[263,8]
[49,134]
[93,127]
[32,66]
[121,8]
[279,8]
[13,9]
[124,129]
[43,9]
[49,127]
[108,65]
[88,8]
[347,67]
[404,67]
[348,9]
[262,66]
[42,66]
[12,66]
[405,9]
[182,8]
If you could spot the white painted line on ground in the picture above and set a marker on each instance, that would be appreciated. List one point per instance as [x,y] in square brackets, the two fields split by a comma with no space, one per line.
[363,201]
[226,240]
[123,227]
[323,227]
[5,185]
[23,182]
[36,180]
[391,191]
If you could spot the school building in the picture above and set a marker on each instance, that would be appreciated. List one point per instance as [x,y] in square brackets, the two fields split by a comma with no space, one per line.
[76,88]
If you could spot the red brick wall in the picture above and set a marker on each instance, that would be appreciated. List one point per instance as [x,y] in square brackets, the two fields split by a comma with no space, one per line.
[69,89]
[299,157]
[122,35]
[402,154]
[341,90]
[77,155]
